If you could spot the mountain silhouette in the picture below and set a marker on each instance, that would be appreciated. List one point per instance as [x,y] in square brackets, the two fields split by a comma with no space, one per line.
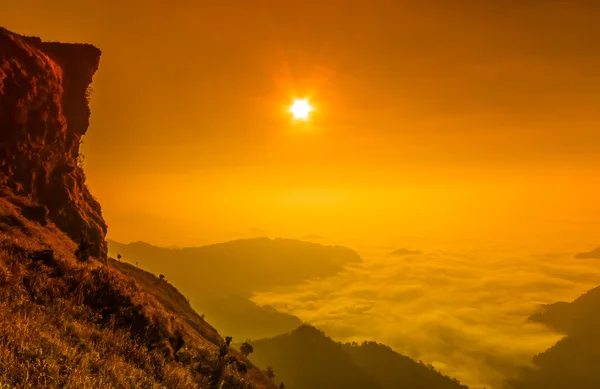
[574,361]
[238,267]
[307,358]
[594,254]
[400,252]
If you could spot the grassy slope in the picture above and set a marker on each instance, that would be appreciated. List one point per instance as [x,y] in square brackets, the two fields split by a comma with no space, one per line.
[69,324]
[168,296]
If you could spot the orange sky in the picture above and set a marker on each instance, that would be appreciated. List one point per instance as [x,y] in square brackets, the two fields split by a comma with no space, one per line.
[439,117]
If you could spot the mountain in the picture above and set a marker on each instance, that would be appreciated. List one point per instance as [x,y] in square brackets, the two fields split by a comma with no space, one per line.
[574,361]
[563,316]
[594,254]
[238,267]
[400,252]
[307,359]
[68,319]
[393,370]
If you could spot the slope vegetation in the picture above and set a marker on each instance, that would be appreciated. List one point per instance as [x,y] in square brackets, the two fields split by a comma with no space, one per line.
[67,323]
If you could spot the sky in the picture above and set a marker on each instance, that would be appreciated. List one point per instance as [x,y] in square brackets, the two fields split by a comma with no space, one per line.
[438,118]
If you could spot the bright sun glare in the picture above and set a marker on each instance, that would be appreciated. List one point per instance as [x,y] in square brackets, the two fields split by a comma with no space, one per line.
[300,109]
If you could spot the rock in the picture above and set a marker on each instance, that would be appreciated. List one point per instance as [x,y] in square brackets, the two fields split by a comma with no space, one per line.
[44,256]
[37,213]
[44,113]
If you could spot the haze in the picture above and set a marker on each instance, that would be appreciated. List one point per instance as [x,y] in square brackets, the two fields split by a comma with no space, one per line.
[433,118]
[465,130]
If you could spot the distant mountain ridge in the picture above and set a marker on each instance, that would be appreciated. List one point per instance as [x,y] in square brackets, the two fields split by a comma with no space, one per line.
[307,359]
[401,252]
[237,267]
[594,254]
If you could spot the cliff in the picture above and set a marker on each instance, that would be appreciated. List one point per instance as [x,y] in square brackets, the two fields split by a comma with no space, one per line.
[44,113]
[68,322]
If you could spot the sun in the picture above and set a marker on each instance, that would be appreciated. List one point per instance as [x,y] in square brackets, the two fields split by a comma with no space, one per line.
[300,109]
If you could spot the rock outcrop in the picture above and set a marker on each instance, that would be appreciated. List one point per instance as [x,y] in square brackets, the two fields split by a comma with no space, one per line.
[44,112]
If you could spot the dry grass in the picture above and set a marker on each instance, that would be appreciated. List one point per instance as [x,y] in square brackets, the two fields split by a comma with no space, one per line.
[169,297]
[66,324]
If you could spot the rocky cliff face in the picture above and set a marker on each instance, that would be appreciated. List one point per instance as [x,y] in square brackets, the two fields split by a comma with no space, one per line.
[44,113]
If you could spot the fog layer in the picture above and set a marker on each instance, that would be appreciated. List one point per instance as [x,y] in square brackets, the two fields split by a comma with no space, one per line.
[462,309]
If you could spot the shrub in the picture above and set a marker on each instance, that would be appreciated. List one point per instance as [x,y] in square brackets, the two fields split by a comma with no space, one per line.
[246,349]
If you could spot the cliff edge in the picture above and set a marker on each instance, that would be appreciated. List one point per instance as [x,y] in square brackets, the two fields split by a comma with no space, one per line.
[44,113]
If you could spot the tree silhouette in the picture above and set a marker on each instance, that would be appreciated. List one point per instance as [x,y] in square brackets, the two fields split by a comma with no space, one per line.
[223,351]
[281,386]
[119,257]
[269,372]
[162,277]
[246,348]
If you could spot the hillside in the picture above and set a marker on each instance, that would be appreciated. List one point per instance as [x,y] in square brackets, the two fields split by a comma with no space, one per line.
[307,359]
[562,316]
[219,279]
[168,296]
[238,267]
[393,370]
[68,320]
[574,361]
[239,317]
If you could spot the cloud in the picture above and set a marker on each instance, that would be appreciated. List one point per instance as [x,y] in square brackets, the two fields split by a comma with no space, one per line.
[463,311]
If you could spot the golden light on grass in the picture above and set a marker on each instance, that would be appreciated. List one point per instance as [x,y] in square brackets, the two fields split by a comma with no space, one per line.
[300,109]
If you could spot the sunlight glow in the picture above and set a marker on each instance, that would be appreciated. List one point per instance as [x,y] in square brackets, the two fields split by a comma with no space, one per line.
[300,109]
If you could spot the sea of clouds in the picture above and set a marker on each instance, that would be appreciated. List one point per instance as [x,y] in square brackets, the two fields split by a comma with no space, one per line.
[463,307]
